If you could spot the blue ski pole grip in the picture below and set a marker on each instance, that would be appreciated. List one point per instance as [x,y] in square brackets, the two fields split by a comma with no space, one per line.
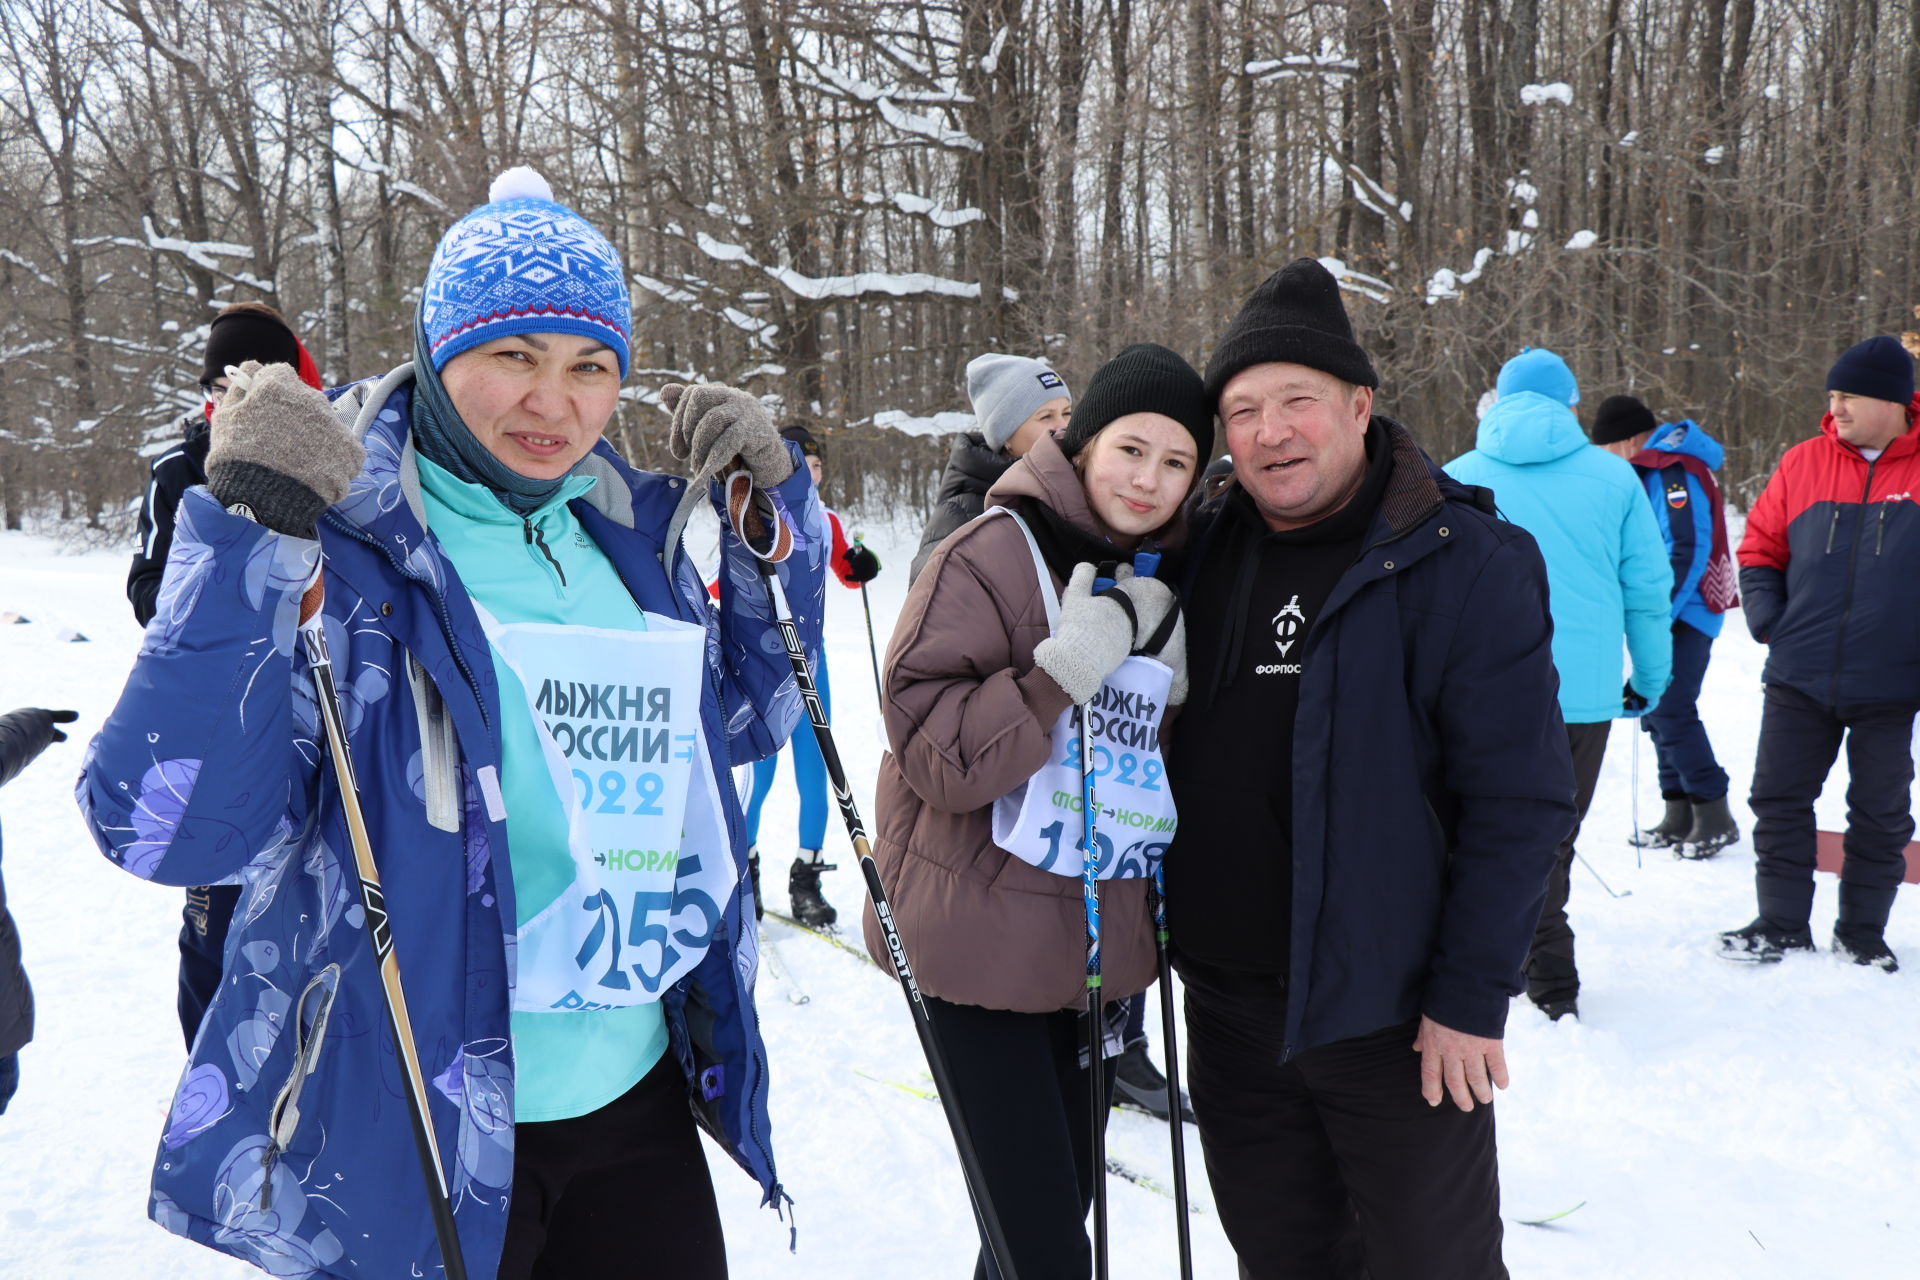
[1146,564]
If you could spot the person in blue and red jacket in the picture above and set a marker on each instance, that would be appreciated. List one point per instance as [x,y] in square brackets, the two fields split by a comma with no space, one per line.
[854,565]
[1827,571]
[1676,463]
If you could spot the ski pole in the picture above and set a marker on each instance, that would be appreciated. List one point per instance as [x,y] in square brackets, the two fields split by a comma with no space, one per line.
[739,490]
[1090,899]
[380,931]
[1636,798]
[873,651]
[1624,893]
[1157,900]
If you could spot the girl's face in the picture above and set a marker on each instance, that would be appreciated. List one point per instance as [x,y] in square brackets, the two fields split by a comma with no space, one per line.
[537,401]
[813,468]
[1137,471]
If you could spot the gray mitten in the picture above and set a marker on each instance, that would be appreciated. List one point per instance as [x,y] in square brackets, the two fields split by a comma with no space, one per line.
[278,450]
[1094,635]
[713,424]
[1161,631]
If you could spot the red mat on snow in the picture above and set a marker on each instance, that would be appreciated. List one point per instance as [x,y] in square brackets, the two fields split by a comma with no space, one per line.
[1830,855]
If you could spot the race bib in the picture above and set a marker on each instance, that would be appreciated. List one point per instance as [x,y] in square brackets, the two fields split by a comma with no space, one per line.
[1042,821]
[618,718]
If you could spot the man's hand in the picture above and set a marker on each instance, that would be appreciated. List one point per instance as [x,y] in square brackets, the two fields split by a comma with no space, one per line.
[1465,1066]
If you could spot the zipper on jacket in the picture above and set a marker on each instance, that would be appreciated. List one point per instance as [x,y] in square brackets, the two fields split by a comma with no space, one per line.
[439,750]
[311,1032]
[1880,530]
[534,539]
[1846,598]
[1833,527]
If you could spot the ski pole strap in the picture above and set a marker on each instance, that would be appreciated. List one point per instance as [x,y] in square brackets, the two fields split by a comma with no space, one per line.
[757,524]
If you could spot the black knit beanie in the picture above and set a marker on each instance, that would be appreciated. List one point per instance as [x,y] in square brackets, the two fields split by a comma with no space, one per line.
[1878,368]
[247,332]
[1145,378]
[1621,418]
[1295,317]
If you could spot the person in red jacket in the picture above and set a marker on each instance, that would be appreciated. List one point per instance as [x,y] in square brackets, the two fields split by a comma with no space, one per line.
[854,565]
[1827,568]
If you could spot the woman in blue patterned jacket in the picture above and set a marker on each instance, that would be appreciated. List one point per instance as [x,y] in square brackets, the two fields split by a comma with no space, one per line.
[542,710]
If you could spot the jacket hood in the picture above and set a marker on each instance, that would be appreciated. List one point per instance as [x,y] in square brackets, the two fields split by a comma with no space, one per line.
[1527,428]
[1902,445]
[1690,438]
[1046,475]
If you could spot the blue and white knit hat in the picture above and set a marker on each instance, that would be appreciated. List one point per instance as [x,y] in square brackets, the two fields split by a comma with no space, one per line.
[522,263]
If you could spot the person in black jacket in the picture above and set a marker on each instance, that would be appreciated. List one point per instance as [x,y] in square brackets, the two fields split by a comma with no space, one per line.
[1015,400]
[1372,778]
[24,734]
[244,331]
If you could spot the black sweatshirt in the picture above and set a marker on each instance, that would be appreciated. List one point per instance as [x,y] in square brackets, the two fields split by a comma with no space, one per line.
[173,473]
[1255,595]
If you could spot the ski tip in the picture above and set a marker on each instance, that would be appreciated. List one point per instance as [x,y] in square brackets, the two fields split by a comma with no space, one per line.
[1551,1218]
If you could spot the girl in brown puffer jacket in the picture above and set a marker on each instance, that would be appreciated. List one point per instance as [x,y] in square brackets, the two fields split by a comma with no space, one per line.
[975,683]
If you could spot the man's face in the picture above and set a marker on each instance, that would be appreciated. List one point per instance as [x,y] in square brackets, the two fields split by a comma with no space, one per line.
[1866,423]
[1298,439]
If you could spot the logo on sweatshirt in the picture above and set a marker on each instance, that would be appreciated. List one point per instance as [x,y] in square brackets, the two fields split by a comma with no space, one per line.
[1287,625]
[1676,498]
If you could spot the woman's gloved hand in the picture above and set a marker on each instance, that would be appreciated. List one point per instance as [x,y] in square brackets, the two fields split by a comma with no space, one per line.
[714,424]
[862,565]
[1094,635]
[278,451]
[1161,631]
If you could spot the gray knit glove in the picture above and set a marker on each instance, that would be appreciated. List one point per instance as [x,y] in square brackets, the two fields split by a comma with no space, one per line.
[714,424]
[278,450]
[1094,635]
[1161,631]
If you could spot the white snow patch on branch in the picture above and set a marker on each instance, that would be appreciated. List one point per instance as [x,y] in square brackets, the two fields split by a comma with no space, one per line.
[1356,281]
[1583,240]
[940,424]
[922,207]
[1714,155]
[861,284]
[1537,95]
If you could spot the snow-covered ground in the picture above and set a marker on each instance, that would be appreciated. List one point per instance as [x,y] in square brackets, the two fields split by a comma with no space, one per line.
[1716,1120]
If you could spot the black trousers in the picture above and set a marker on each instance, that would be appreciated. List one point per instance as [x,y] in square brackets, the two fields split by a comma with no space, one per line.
[1330,1165]
[619,1192]
[1025,1098]
[203,945]
[1800,738]
[1551,972]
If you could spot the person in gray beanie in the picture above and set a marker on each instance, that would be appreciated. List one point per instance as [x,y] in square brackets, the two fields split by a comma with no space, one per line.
[1015,401]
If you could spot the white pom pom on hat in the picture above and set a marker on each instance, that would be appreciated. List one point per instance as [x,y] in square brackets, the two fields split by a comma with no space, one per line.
[519,183]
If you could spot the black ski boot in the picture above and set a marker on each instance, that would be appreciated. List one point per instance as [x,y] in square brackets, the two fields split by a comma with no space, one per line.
[803,888]
[1713,830]
[1670,830]
[1762,943]
[753,874]
[1568,1007]
[1139,1086]
[1864,945]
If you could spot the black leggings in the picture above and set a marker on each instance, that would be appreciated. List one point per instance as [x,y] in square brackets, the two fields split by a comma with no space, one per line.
[622,1191]
[1024,1096]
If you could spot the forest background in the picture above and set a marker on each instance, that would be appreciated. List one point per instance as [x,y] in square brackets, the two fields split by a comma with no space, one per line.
[841,202]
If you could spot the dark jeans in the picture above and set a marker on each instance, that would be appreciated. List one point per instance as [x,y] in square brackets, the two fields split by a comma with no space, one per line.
[9,1079]
[1800,738]
[1025,1099]
[622,1191]
[1551,972]
[203,945]
[1330,1165]
[1686,761]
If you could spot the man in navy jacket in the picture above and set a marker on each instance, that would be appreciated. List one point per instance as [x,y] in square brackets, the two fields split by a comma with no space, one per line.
[1372,777]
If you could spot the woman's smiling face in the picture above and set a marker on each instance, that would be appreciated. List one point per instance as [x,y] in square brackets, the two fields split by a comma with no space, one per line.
[1137,471]
[538,402]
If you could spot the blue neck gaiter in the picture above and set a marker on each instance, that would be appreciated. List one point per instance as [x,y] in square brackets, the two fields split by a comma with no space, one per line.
[439,434]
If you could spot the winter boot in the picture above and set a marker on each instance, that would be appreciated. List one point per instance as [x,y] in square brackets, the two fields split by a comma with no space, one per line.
[1762,943]
[1713,830]
[753,874]
[1558,1009]
[803,888]
[1139,1086]
[1670,830]
[1859,935]
[1864,945]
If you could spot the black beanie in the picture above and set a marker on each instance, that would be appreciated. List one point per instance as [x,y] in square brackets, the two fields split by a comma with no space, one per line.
[1878,368]
[1295,317]
[1621,418]
[809,445]
[1145,378]
[245,333]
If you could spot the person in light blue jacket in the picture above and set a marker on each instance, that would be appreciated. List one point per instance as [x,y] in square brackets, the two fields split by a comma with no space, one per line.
[542,710]
[1608,577]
